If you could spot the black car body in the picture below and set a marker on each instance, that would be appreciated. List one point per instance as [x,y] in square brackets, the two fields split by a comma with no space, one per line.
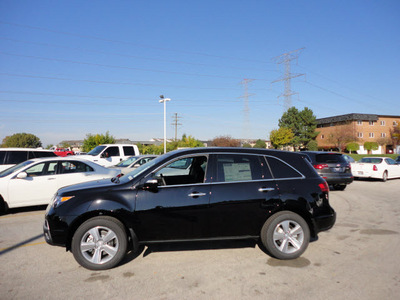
[333,167]
[194,194]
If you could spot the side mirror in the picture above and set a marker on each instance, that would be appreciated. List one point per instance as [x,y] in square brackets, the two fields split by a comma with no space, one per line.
[22,175]
[151,185]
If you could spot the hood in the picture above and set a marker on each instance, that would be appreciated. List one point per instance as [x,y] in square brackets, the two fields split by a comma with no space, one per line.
[102,183]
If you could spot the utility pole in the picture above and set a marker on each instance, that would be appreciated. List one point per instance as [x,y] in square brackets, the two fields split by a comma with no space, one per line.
[164,100]
[286,58]
[246,110]
[176,123]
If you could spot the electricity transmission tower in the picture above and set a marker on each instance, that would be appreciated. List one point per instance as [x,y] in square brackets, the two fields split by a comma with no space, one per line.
[176,123]
[285,59]
[246,110]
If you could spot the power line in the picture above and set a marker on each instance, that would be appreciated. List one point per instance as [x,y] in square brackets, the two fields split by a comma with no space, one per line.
[176,123]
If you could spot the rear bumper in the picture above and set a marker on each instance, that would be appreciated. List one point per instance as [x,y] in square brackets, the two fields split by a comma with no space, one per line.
[324,222]
[347,179]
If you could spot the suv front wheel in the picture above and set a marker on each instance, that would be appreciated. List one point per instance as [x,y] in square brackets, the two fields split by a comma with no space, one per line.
[285,235]
[99,243]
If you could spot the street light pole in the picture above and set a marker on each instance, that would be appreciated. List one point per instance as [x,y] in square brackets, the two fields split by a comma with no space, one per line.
[164,100]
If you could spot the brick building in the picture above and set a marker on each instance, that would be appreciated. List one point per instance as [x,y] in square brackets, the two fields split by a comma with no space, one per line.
[337,131]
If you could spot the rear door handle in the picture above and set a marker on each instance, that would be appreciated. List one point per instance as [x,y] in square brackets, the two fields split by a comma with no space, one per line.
[263,189]
[196,194]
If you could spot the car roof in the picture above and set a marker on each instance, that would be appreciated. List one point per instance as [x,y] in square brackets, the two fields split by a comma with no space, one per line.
[67,158]
[26,149]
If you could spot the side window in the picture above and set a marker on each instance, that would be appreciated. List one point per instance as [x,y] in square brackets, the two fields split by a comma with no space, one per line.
[36,170]
[188,170]
[74,167]
[112,151]
[15,157]
[390,161]
[237,167]
[2,155]
[128,150]
[282,170]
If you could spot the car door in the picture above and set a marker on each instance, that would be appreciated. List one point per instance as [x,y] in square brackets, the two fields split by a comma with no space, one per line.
[393,168]
[37,188]
[177,208]
[243,194]
[73,172]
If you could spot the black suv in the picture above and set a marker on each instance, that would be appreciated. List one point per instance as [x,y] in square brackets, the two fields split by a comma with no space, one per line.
[333,167]
[193,194]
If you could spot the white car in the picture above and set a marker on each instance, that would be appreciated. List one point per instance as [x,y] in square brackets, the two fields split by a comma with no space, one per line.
[133,162]
[35,181]
[376,167]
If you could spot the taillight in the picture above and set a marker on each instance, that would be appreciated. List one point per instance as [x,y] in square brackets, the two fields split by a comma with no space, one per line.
[321,166]
[375,168]
[324,187]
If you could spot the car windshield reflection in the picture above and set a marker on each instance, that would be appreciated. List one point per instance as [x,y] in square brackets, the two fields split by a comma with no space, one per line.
[136,172]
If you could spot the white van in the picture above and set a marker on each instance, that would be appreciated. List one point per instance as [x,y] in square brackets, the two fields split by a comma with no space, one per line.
[110,154]
[12,156]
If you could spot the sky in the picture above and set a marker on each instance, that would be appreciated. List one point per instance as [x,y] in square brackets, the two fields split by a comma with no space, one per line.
[73,68]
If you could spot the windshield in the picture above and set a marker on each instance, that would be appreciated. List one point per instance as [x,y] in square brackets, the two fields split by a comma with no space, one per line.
[127,162]
[8,171]
[96,151]
[136,172]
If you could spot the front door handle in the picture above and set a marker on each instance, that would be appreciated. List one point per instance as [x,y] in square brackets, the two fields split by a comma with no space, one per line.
[264,189]
[196,194]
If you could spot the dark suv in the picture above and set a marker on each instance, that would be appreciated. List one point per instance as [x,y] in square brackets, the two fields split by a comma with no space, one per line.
[333,167]
[194,194]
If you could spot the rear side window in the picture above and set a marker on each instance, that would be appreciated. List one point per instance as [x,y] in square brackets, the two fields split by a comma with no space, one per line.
[40,154]
[128,150]
[15,157]
[233,167]
[330,158]
[74,167]
[282,170]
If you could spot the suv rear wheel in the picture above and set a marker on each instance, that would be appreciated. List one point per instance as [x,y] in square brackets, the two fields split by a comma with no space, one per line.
[285,235]
[99,243]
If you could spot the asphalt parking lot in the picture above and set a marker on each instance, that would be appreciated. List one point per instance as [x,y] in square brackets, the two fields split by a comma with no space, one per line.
[357,259]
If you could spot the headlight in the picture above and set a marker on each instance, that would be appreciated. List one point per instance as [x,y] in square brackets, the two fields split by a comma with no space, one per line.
[58,200]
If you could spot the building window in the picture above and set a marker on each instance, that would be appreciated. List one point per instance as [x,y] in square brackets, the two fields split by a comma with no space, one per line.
[383,134]
[394,123]
[371,134]
[371,123]
[359,122]
[359,134]
[383,123]
[322,136]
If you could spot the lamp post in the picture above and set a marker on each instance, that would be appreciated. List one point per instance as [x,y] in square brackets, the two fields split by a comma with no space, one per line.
[164,100]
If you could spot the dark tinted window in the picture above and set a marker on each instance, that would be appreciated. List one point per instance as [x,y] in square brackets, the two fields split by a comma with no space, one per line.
[330,158]
[39,154]
[233,167]
[370,160]
[128,150]
[282,170]
[15,157]
[112,151]
[2,155]
[74,167]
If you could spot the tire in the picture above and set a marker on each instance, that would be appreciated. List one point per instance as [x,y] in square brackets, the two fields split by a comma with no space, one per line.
[285,235]
[99,243]
[339,187]
[385,176]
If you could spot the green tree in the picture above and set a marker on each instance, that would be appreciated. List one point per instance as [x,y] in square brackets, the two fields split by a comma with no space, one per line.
[246,145]
[351,147]
[312,145]
[92,141]
[189,142]
[260,144]
[302,123]
[369,146]
[22,140]
[281,137]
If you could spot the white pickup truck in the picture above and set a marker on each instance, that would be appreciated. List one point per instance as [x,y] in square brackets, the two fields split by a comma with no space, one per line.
[376,167]
[107,155]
